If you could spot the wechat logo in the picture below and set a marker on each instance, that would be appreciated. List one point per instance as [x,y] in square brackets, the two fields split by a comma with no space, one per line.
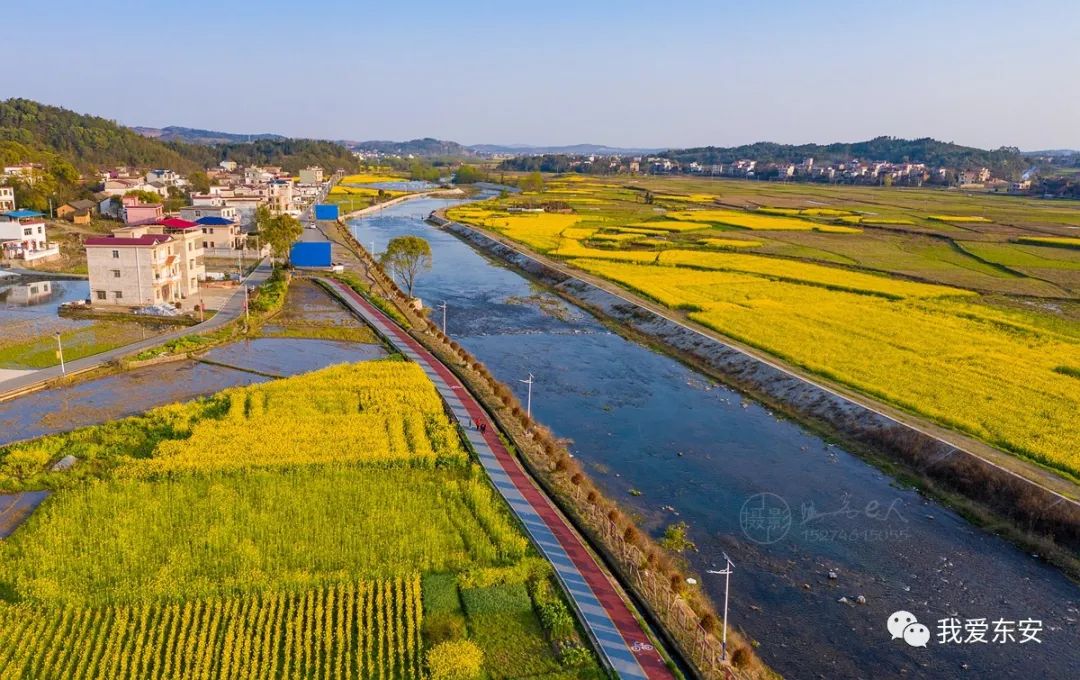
[904,625]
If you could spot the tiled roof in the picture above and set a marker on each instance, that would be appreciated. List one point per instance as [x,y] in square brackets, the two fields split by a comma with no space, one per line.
[211,221]
[176,223]
[114,241]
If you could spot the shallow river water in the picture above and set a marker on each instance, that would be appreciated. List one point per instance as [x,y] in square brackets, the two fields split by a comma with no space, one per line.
[785,505]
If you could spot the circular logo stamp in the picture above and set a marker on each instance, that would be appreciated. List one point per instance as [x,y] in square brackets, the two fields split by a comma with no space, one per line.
[765,518]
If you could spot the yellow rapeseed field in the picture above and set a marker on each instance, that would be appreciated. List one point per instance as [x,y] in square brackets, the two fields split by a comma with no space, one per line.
[745,220]
[957,218]
[1003,382]
[542,231]
[371,178]
[382,412]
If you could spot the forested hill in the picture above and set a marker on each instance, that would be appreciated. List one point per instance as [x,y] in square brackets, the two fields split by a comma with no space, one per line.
[30,131]
[86,142]
[1005,161]
[291,154]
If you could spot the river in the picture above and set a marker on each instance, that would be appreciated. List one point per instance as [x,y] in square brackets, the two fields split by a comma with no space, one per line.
[805,522]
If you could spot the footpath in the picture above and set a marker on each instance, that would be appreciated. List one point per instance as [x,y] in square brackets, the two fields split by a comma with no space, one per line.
[232,309]
[615,631]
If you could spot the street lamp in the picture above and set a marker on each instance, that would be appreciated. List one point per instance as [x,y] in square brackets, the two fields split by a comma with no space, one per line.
[528,400]
[726,571]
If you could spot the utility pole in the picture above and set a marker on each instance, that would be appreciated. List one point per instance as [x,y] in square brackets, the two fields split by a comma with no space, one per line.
[528,399]
[60,354]
[244,284]
[443,307]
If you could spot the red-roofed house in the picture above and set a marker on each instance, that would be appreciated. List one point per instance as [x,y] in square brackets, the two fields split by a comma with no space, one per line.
[188,248]
[141,213]
[135,270]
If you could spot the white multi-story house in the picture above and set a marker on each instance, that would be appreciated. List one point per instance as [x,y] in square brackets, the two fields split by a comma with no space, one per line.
[136,270]
[281,196]
[23,237]
[7,199]
[167,177]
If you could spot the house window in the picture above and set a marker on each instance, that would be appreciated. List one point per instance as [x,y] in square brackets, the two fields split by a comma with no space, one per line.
[118,294]
[116,253]
[28,231]
[204,242]
[100,294]
[116,273]
[41,230]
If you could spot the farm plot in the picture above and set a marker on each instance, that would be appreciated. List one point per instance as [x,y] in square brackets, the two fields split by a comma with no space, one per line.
[279,530]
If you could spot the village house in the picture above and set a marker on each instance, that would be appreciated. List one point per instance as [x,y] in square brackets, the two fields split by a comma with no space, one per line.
[26,172]
[133,270]
[136,212]
[189,251]
[281,196]
[121,186]
[7,199]
[195,212]
[23,237]
[77,212]
[221,236]
[166,177]
[311,175]
[146,264]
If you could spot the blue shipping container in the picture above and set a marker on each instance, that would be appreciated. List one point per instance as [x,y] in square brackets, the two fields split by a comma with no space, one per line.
[326,211]
[310,254]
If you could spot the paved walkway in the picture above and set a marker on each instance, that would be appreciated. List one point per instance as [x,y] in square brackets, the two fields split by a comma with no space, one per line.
[616,632]
[232,308]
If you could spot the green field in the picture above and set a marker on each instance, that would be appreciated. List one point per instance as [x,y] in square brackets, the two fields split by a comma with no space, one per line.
[328,525]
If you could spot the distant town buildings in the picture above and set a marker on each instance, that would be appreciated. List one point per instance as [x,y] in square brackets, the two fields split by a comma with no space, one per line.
[7,199]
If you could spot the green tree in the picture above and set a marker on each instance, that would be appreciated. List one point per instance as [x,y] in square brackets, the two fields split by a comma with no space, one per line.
[406,257]
[277,231]
[200,182]
[676,540]
[468,174]
[144,196]
[533,182]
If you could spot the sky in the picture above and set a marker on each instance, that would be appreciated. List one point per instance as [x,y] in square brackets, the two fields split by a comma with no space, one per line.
[626,73]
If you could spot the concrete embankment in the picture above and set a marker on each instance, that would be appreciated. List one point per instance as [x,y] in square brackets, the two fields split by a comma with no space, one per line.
[448,193]
[1029,505]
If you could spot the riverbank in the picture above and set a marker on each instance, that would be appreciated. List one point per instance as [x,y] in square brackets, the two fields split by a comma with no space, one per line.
[658,582]
[981,488]
[448,193]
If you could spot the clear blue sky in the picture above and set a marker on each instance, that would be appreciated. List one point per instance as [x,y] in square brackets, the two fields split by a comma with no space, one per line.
[623,73]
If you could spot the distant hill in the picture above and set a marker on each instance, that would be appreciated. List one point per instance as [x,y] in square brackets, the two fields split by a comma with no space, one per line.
[570,150]
[426,147]
[176,133]
[1004,162]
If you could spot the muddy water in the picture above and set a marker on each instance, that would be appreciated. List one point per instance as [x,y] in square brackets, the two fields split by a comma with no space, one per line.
[786,506]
